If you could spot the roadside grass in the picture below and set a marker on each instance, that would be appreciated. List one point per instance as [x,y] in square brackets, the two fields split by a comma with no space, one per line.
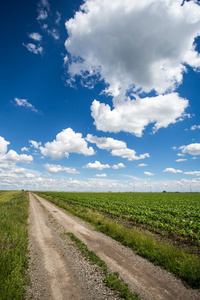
[174,259]
[112,280]
[13,245]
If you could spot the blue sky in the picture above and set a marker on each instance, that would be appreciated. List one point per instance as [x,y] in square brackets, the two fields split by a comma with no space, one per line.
[100,95]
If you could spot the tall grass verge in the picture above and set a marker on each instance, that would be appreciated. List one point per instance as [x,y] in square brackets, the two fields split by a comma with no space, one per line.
[175,260]
[112,280]
[13,245]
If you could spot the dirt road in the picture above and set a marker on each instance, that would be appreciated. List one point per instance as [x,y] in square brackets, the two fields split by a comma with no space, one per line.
[66,277]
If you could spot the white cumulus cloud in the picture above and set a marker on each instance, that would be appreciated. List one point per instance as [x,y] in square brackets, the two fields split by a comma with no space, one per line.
[24,149]
[35,36]
[192,149]
[11,156]
[101,175]
[194,127]
[118,166]
[149,45]
[105,143]
[142,165]
[57,168]
[35,144]
[67,141]
[148,174]
[97,166]
[172,170]
[197,173]
[134,115]
[3,145]
[130,154]
[147,42]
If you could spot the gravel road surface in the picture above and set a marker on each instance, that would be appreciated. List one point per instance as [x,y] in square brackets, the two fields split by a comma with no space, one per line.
[59,272]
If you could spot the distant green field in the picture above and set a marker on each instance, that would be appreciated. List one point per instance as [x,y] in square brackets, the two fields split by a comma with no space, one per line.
[175,215]
[6,196]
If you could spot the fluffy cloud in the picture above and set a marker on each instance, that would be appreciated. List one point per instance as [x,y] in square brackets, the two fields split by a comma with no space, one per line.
[11,156]
[193,149]
[25,103]
[11,170]
[97,166]
[24,149]
[142,165]
[106,143]
[35,144]
[133,57]
[3,145]
[118,166]
[34,48]
[134,115]
[35,36]
[66,142]
[57,168]
[13,175]
[101,175]
[133,60]
[172,170]
[33,181]
[118,148]
[148,174]
[194,127]
[197,173]
[130,154]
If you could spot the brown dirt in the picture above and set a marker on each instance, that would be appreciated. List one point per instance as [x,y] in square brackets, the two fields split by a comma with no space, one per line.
[58,274]
[58,271]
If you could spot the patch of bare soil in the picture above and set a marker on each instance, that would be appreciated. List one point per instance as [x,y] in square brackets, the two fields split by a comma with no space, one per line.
[151,282]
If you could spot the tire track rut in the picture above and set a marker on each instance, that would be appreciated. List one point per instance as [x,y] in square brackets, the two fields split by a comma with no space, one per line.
[56,273]
[151,282]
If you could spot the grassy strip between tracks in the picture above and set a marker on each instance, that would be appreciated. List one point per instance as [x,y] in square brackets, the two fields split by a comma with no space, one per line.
[112,280]
[13,245]
[176,260]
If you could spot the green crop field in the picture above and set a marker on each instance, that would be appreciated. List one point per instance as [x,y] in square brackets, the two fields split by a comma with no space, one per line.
[175,215]
[5,196]
[162,227]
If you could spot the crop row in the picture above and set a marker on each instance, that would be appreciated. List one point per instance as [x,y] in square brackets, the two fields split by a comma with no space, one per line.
[171,214]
